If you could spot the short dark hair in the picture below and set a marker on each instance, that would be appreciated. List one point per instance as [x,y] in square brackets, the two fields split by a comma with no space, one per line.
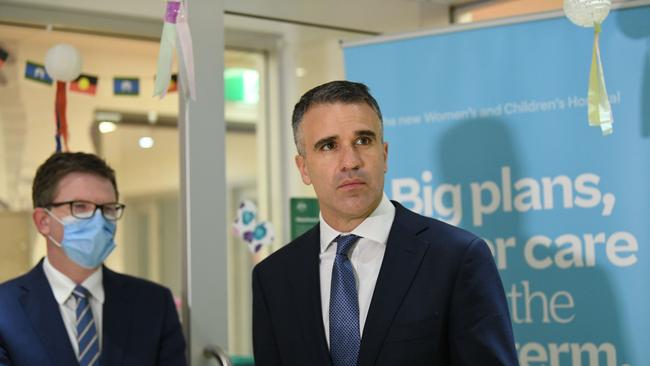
[59,165]
[339,91]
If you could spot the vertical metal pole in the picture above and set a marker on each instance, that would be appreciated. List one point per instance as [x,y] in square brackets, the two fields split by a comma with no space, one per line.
[203,186]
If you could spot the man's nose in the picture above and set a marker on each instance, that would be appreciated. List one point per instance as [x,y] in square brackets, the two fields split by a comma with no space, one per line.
[350,158]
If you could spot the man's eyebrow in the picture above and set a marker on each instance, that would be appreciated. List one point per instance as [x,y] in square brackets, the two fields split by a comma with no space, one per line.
[325,141]
[366,133]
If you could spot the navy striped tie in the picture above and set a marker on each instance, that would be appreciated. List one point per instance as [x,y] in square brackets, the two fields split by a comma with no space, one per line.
[87,337]
[345,340]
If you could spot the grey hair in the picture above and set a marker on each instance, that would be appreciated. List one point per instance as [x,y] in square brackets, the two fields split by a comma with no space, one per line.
[339,91]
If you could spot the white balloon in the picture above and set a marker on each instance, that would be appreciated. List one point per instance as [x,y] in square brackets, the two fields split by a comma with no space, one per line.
[63,62]
[586,12]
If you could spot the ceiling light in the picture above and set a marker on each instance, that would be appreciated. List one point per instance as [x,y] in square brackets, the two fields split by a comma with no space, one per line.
[146,142]
[107,126]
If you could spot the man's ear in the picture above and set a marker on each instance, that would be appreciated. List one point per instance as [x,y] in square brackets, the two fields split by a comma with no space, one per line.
[302,168]
[42,221]
[385,157]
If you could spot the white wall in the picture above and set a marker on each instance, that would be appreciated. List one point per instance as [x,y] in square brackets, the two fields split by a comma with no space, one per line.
[16,249]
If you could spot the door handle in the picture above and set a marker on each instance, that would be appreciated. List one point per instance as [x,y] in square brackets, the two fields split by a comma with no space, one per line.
[217,353]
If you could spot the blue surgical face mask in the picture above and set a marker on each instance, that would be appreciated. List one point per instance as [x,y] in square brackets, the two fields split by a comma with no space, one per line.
[86,242]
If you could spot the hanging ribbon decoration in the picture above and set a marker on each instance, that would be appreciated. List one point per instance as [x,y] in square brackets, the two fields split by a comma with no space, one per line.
[591,13]
[175,29]
[188,82]
[60,114]
[599,109]
[62,63]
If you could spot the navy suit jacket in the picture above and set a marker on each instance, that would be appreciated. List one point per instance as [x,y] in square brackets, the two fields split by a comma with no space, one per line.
[140,324]
[438,301]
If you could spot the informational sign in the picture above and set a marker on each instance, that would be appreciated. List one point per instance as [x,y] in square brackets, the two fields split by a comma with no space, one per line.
[487,129]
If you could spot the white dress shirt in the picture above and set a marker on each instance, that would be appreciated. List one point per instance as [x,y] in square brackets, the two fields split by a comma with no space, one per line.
[366,257]
[62,288]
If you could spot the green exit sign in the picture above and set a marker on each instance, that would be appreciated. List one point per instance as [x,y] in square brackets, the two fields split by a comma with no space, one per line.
[241,85]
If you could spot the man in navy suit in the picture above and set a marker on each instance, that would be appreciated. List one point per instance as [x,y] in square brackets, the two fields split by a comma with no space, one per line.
[373,283]
[70,309]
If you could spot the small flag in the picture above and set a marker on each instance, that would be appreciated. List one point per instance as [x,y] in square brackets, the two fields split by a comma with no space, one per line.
[173,84]
[36,72]
[4,55]
[86,84]
[126,86]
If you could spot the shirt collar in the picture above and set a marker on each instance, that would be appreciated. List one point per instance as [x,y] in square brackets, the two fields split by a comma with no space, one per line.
[375,227]
[62,286]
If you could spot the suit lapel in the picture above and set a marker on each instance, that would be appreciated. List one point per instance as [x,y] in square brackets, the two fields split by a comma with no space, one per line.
[117,319]
[305,281]
[42,309]
[404,253]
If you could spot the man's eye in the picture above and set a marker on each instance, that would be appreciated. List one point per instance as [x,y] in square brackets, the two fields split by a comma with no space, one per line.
[328,146]
[363,140]
[82,206]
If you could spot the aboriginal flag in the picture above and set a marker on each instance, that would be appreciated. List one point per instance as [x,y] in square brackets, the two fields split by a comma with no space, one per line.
[173,84]
[86,84]
[4,55]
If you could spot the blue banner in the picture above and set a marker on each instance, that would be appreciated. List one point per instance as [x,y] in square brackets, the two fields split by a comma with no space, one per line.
[487,129]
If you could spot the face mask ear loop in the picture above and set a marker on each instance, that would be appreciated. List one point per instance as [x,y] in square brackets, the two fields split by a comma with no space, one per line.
[53,216]
[59,221]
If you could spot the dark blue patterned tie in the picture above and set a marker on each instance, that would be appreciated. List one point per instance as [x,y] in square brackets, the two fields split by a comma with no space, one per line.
[344,307]
[87,338]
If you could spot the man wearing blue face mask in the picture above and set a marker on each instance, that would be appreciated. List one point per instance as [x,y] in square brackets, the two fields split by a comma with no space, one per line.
[70,309]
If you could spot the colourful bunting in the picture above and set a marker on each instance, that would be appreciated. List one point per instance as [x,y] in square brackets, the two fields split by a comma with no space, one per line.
[86,84]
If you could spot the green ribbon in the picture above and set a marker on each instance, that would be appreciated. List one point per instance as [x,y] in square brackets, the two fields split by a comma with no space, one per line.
[165,57]
[599,109]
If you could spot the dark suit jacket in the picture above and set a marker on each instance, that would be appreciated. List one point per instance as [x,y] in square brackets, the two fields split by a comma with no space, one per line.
[140,324]
[438,301]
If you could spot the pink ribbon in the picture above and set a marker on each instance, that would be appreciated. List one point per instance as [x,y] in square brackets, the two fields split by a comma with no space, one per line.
[172,11]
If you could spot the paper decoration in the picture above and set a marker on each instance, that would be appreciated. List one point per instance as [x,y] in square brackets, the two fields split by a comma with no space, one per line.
[60,105]
[246,227]
[591,13]
[63,63]
[126,86]
[36,72]
[586,13]
[175,29]
[86,84]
